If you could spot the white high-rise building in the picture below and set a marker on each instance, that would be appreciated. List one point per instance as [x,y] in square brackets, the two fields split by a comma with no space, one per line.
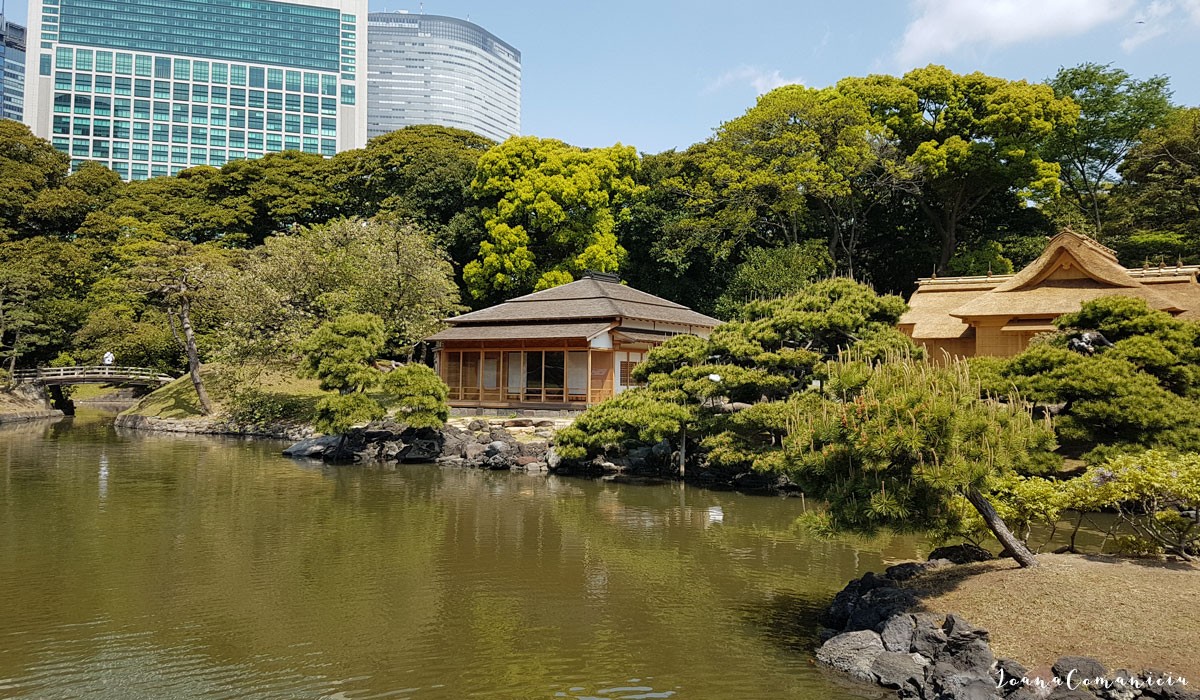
[428,69]
[149,87]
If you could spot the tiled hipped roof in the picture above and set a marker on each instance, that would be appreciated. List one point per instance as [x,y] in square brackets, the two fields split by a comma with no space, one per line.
[583,300]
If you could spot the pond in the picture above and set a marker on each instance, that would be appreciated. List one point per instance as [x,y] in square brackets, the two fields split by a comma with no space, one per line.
[142,565]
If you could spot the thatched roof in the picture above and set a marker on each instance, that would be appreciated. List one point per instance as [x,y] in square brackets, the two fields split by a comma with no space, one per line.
[1073,269]
[589,299]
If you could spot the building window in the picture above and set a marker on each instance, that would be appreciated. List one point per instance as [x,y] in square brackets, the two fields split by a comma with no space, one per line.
[627,373]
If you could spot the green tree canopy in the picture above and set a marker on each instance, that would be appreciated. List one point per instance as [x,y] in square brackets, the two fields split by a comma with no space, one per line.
[550,213]
[1114,108]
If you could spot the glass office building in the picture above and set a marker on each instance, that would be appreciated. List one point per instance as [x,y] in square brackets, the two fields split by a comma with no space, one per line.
[150,87]
[427,69]
[12,70]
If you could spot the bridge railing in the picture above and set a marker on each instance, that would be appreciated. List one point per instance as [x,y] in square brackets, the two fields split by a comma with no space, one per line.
[90,372]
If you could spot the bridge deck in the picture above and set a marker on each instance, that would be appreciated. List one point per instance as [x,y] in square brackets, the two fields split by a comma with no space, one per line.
[92,374]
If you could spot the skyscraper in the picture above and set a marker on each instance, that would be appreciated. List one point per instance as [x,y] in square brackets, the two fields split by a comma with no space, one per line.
[427,69]
[149,87]
[12,69]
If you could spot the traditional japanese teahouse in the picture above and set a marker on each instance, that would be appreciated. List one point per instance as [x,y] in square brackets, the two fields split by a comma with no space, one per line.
[999,314]
[567,347]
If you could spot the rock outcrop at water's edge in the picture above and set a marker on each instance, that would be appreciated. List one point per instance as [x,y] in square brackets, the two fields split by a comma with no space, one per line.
[211,426]
[876,635]
[519,444]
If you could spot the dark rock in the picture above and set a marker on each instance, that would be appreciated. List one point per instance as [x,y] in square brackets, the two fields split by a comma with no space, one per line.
[525,460]
[827,633]
[973,655]
[1120,687]
[1078,668]
[497,447]
[957,628]
[842,606]
[927,640]
[961,554]
[894,669]
[473,451]
[312,447]
[534,449]
[1009,674]
[553,460]
[853,653]
[1062,692]
[897,633]
[870,582]
[877,605]
[911,569]
[544,424]
[661,450]
[951,683]
[476,425]
[518,423]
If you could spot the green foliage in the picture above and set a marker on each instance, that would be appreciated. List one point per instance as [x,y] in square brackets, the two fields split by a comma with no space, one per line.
[28,165]
[1156,494]
[764,360]
[391,270]
[770,273]
[986,259]
[900,443]
[1114,108]
[339,353]
[419,396]
[255,406]
[1155,209]
[337,413]
[551,212]
[1143,391]
[637,414]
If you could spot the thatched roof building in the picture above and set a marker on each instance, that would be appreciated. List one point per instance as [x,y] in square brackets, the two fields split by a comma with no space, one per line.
[566,347]
[999,314]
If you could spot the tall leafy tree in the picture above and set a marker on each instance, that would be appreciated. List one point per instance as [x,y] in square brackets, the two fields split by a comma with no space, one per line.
[1156,207]
[1114,108]
[28,165]
[964,139]
[551,212]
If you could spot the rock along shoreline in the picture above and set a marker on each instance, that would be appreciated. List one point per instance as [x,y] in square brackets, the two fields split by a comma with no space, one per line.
[877,635]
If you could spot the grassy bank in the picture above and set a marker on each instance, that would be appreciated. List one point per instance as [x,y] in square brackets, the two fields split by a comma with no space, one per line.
[1128,613]
[268,396]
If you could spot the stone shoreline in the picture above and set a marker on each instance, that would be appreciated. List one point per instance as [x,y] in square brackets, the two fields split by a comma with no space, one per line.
[211,426]
[22,416]
[876,634]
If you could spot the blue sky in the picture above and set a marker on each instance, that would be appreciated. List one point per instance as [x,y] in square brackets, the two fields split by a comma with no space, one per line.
[663,74]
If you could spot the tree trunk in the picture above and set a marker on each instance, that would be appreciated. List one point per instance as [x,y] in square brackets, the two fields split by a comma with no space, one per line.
[189,342]
[12,361]
[995,523]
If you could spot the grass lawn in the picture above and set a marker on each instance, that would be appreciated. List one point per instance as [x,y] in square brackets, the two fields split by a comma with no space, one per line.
[1128,613]
[178,401]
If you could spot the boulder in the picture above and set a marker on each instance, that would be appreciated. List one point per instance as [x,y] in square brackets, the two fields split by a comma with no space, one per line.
[518,423]
[526,460]
[897,633]
[853,653]
[1120,688]
[553,460]
[476,426]
[496,447]
[894,669]
[1078,668]
[1009,675]
[961,554]
[838,613]
[544,424]
[312,447]
[473,451]
[877,605]
[911,569]
[952,683]
[928,638]
[537,448]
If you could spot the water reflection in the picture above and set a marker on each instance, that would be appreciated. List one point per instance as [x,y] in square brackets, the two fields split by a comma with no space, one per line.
[213,568]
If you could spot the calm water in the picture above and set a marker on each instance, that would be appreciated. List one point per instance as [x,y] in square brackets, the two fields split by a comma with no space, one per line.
[153,566]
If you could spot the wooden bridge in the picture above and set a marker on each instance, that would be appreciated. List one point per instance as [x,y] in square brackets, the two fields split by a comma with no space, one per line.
[96,374]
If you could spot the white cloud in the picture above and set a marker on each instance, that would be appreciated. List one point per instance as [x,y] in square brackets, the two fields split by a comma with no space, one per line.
[943,26]
[760,79]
